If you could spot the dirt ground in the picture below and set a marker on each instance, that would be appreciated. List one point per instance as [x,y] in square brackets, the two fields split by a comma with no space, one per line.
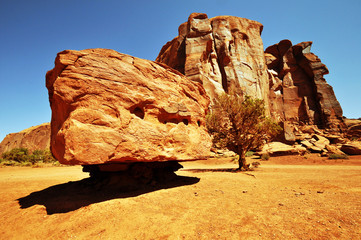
[289,197]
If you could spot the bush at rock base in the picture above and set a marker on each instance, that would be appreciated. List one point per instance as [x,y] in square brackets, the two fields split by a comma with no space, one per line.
[265,157]
[337,156]
[249,154]
[22,157]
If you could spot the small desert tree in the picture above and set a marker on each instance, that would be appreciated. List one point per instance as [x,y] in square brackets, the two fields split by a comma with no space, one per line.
[240,124]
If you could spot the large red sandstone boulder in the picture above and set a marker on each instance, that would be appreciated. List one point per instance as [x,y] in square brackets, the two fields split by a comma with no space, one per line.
[109,107]
[33,138]
[222,53]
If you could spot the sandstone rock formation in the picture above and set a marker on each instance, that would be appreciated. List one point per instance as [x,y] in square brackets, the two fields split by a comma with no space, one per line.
[352,148]
[223,53]
[298,91]
[33,138]
[353,128]
[281,149]
[109,107]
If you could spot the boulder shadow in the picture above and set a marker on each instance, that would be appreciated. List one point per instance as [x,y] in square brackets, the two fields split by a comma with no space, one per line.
[71,196]
[232,170]
[229,170]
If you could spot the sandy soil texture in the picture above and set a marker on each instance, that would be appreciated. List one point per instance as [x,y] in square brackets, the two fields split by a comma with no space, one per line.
[285,198]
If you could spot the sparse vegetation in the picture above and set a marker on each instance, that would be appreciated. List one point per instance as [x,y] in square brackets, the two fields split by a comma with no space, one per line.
[337,156]
[240,124]
[265,157]
[21,157]
[249,154]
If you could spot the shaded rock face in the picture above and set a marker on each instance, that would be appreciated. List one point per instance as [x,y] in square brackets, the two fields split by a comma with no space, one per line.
[109,107]
[298,91]
[223,53]
[353,148]
[34,138]
[353,128]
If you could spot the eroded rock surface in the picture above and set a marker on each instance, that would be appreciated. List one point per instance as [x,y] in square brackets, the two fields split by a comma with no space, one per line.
[352,148]
[281,149]
[226,53]
[298,91]
[109,107]
[353,128]
[222,53]
[33,138]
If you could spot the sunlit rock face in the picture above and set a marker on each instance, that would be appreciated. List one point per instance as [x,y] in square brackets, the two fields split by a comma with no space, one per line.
[226,54]
[223,53]
[109,107]
[33,138]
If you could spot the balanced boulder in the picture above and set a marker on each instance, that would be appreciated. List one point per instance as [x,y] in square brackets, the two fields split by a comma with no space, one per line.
[109,107]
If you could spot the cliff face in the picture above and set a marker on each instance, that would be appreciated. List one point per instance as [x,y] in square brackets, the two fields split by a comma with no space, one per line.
[298,91]
[226,54]
[34,138]
[223,53]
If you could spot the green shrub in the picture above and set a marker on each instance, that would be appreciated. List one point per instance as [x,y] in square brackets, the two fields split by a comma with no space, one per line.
[9,163]
[337,156]
[16,154]
[21,157]
[265,156]
[42,156]
[249,154]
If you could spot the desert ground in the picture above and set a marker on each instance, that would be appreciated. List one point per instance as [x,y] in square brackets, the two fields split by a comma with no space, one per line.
[291,197]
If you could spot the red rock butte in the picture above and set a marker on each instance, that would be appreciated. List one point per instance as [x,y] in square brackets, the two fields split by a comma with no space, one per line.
[222,53]
[226,53]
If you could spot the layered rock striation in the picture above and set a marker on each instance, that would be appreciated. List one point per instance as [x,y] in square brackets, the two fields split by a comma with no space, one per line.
[33,138]
[109,107]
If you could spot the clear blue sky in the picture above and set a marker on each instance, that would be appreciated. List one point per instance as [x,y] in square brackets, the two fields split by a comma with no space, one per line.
[33,32]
